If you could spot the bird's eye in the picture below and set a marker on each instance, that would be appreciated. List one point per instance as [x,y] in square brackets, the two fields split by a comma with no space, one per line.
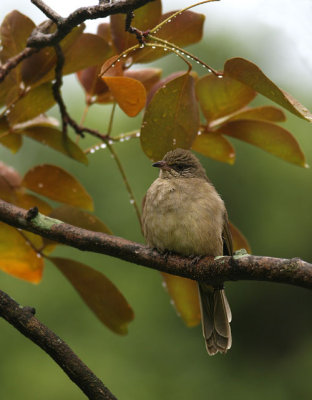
[180,167]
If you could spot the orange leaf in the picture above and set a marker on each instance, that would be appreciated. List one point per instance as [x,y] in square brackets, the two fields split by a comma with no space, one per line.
[17,257]
[263,113]
[215,146]
[57,184]
[269,137]
[250,74]
[129,93]
[99,293]
[220,97]
[239,240]
[184,294]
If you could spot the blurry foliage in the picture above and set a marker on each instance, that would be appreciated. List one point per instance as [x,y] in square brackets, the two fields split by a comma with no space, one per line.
[183,109]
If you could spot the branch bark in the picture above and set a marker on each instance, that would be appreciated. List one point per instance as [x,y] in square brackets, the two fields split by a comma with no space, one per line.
[214,270]
[23,319]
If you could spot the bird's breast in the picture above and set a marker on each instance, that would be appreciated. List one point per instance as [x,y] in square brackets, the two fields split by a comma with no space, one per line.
[185,216]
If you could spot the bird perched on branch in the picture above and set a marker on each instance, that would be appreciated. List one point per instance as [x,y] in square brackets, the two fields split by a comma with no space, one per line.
[183,213]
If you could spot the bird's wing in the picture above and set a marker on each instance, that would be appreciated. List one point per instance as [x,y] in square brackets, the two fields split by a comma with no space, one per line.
[227,237]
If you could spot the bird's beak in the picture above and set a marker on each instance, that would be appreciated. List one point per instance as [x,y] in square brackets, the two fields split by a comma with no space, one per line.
[161,164]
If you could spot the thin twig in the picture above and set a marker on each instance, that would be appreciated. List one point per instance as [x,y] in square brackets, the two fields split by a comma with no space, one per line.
[23,319]
[213,270]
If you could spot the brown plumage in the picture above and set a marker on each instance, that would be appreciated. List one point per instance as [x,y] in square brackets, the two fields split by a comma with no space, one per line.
[183,213]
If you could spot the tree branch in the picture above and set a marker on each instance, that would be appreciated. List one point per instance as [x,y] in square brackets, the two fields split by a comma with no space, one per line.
[23,319]
[65,25]
[214,270]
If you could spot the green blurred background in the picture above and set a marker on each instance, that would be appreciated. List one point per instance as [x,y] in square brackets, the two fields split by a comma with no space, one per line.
[267,198]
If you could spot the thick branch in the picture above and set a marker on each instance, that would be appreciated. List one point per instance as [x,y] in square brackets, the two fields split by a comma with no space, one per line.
[23,319]
[65,25]
[291,271]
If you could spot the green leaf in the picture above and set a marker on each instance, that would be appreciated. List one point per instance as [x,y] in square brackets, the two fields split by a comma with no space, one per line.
[215,146]
[57,184]
[250,74]
[263,113]
[220,97]
[183,30]
[14,32]
[54,138]
[17,257]
[39,68]
[171,119]
[184,295]
[99,293]
[8,138]
[35,102]
[269,137]
[146,17]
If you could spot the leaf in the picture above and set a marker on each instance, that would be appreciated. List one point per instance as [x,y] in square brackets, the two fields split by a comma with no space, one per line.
[250,74]
[92,84]
[9,88]
[39,68]
[183,30]
[171,119]
[35,102]
[10,180]
[239,240]
[54,138]
[220,97]
[7,138]
[26,200]
[129,93]
[147,76]
[14,32]
[80,218]
[17,257]
[184,294]
[145,17]
[269,137]
[264,113]
[216,146]
[57,184]
[99,293]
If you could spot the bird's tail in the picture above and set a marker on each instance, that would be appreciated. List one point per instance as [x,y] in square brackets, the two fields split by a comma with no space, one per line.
[216,318]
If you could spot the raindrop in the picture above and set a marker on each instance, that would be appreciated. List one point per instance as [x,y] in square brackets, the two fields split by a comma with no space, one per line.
[165,49]
[38,255]
[127,138]
[113,65]
[209,70]
[172,302]
[174,141]
[164,284]
[131,201]
[110,141]
[169,20]
[187,56]
[197,62]
[92,151]
[124,55]
[118,59]
[153,47]
[220,76]
[122,140]
[103,146]
[137,134]
[142,46]
[199,133]
[204,66]
[97,147]
[40,185]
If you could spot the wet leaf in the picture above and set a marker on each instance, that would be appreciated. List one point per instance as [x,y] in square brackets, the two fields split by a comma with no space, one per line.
[239,240]
[216,146]
[250,74]
[99,293]
[146,17]
[129,93]
[220,97]
[39,68]
[185,29]
[92,84]
[8,138]
[269,137]
[10,181]
[171,119]
[184,294]
[35,102]
[147,76]
[27,201]
[9,88]
[57,184]
[17,257]
[264,113]
[14,32]
[54,138]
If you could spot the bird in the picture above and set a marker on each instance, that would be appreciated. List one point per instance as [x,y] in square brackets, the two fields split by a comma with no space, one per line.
[184,214]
